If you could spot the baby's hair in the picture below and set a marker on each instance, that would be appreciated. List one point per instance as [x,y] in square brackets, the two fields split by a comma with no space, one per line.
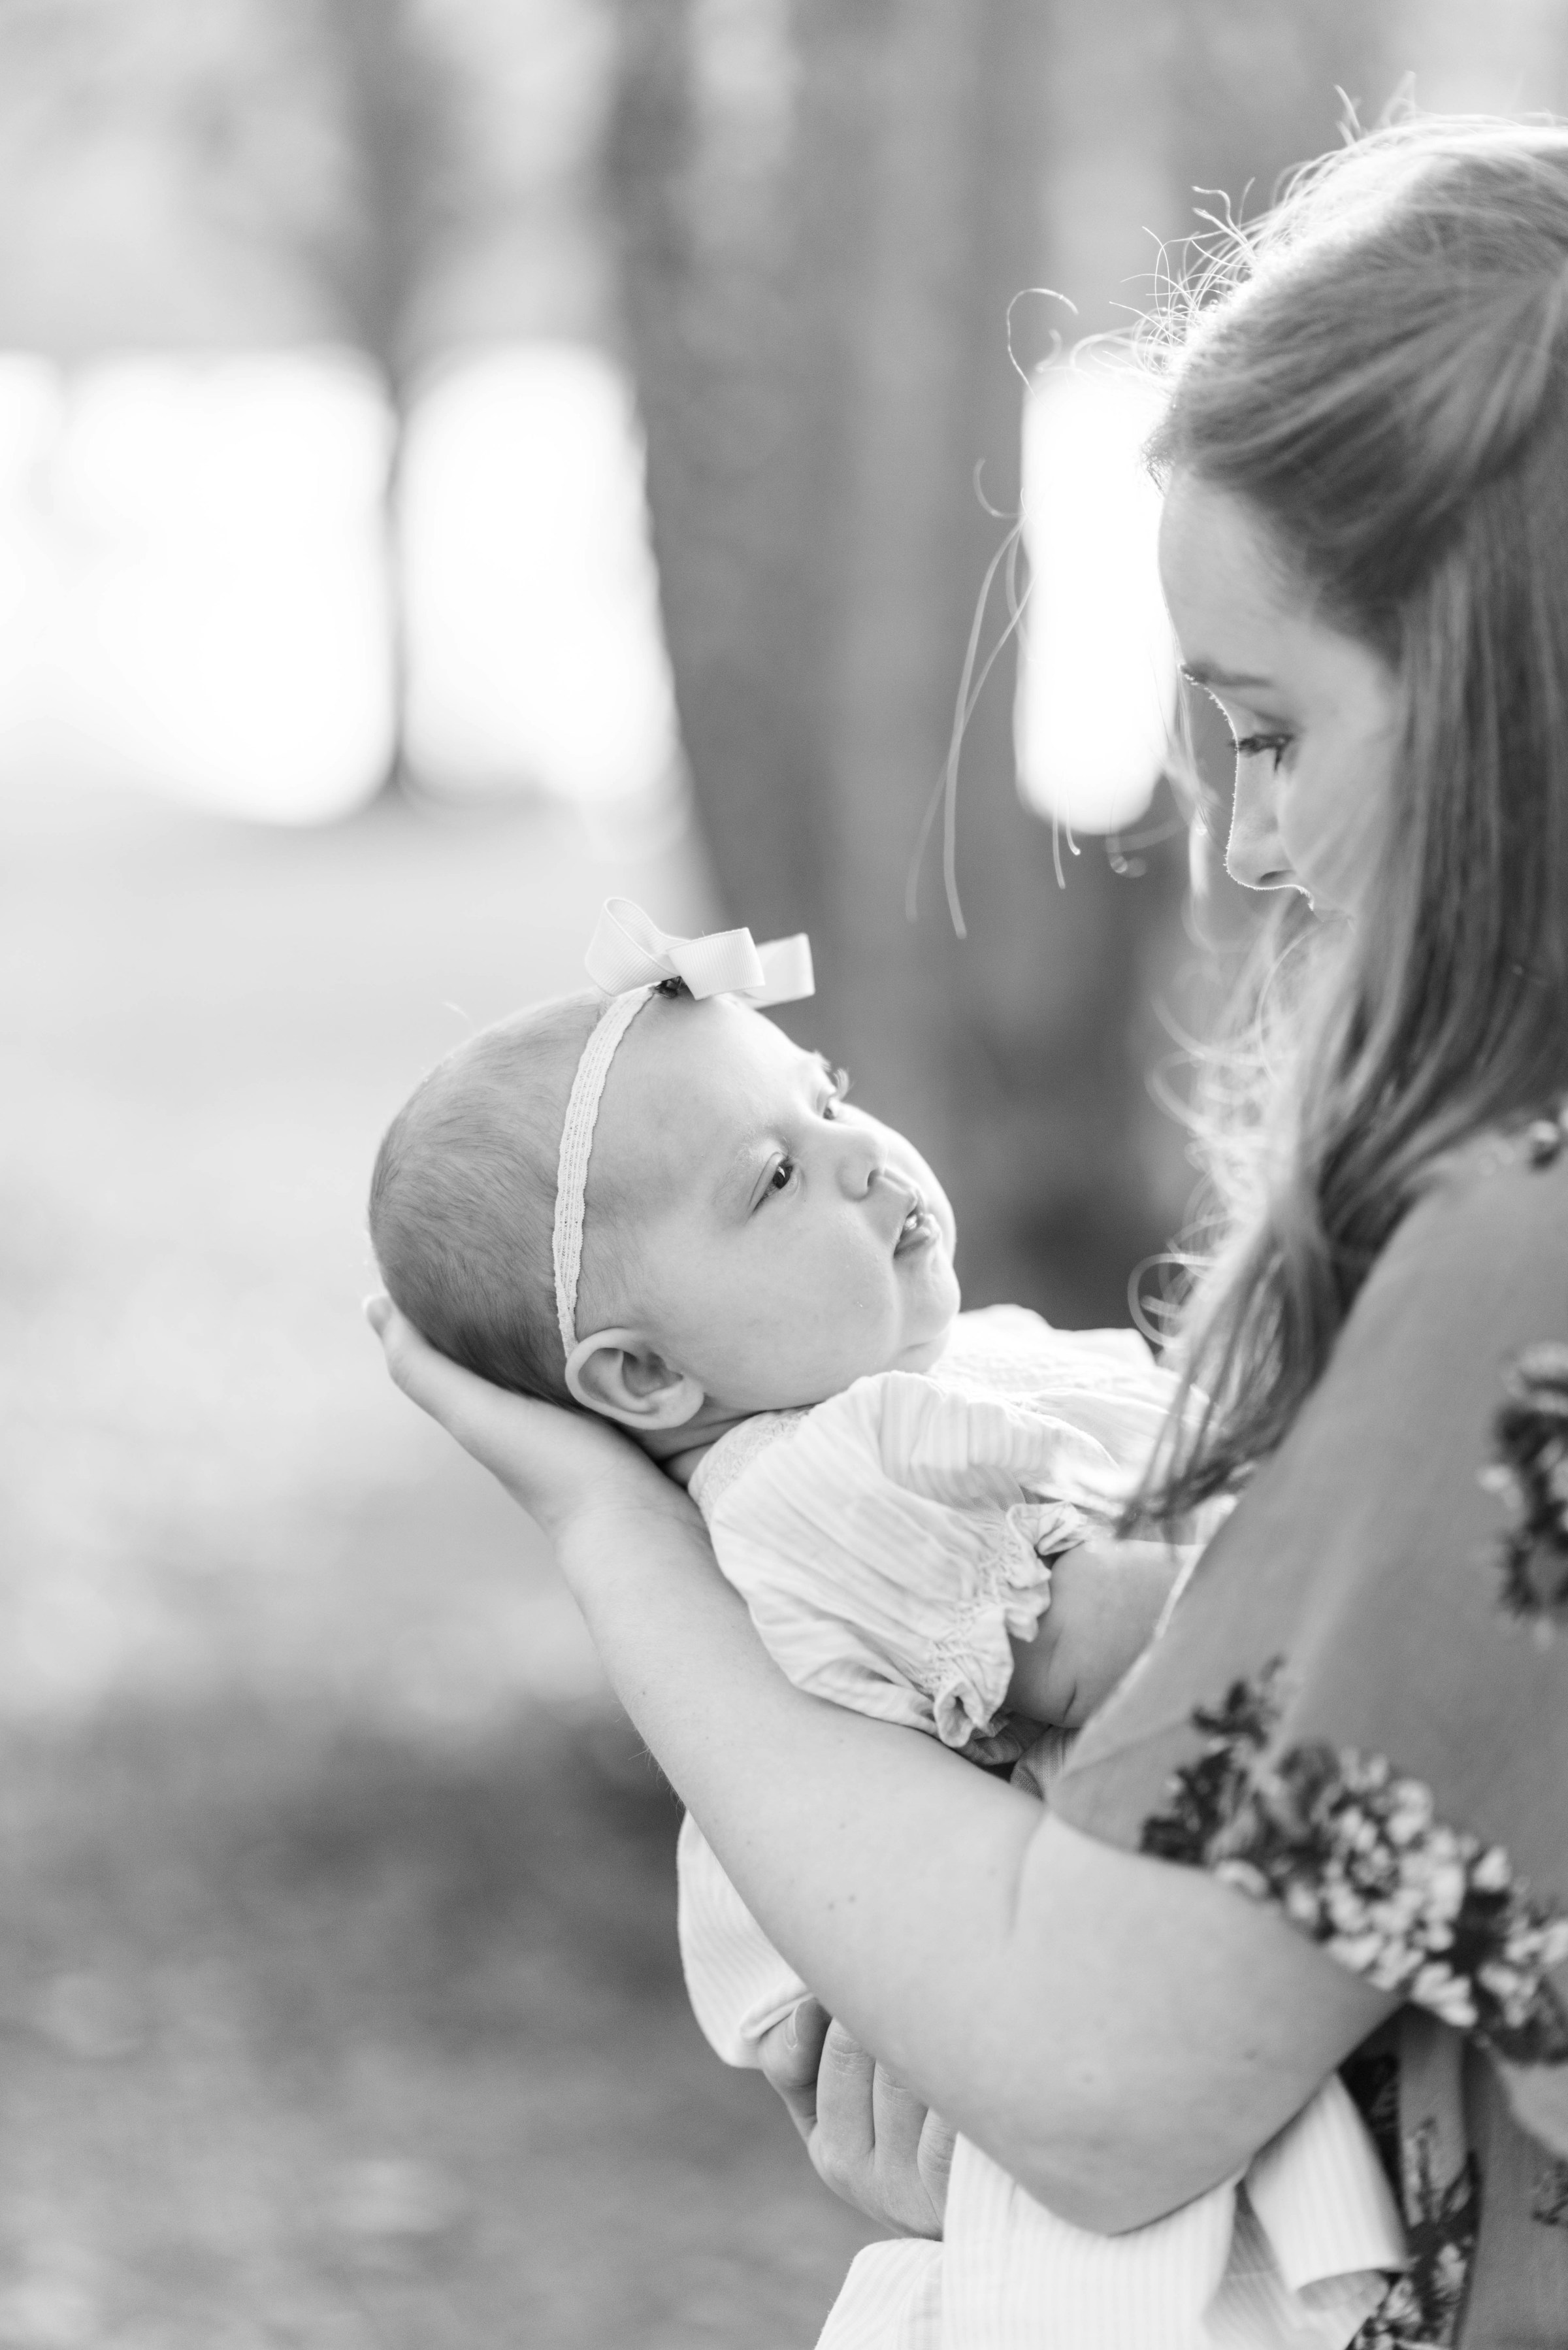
[463,1199]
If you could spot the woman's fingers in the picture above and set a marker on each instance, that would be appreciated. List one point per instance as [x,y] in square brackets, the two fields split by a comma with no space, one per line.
[791,2055]
[868,2140]
[913,2155]
[935,2162]
[437,1384]
[844,2142]
[554,1463]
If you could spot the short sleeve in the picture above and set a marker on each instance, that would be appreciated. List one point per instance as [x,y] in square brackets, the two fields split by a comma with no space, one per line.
[894,1547]
[1358,1712]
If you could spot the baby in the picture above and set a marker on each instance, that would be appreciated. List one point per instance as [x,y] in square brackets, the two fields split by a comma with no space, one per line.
[651,1203]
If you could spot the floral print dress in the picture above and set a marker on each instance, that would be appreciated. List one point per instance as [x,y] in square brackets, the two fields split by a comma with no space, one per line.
[1358,1715]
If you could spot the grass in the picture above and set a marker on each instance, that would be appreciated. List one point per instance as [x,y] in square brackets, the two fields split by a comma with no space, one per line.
[338,2001]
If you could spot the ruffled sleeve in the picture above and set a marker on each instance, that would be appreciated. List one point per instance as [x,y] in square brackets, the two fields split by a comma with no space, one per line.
[895,1545]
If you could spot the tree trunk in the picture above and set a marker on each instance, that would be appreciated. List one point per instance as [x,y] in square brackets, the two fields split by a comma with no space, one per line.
[398,781]
[818,296]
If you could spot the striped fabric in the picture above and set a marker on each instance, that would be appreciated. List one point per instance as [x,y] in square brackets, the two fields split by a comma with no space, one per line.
[738,1984]
[892,2299]
[1009,2276]
[893,1542]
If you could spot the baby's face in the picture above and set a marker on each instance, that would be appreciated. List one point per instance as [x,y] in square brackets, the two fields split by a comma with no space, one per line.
[772,1241]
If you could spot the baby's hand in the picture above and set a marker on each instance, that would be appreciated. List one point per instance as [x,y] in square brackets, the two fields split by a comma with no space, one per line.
[1105,1600]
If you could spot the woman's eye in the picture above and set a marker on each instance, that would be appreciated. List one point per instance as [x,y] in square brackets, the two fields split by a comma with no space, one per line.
[783,1176]
[840,1083]
[1253,746]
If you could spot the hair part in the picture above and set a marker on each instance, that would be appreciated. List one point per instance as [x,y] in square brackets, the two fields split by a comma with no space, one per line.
[1379,372]
[462,1198]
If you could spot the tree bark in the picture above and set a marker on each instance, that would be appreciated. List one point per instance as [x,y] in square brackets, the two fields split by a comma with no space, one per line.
[817,315]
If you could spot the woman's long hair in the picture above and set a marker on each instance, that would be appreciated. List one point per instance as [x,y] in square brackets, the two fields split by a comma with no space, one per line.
[1380,372]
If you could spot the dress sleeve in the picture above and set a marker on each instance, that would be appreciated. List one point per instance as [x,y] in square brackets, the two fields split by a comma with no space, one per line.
[894,1547]
[1358,1712]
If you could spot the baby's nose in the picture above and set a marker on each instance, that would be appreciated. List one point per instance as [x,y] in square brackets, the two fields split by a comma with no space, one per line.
[864,1162]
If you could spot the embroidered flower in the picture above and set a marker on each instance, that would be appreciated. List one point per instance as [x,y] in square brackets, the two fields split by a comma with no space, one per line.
[1549,2204]
[1528,1473]
[1421,2309]
[1357,1858]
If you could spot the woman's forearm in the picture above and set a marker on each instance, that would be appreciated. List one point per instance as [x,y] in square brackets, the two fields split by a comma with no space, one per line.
[880,1864]
[1117,2032]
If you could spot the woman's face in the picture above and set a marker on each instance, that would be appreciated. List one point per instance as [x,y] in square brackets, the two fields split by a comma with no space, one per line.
[1315,714]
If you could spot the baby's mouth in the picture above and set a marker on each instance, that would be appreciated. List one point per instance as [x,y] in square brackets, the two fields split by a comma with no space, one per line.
[917,1227]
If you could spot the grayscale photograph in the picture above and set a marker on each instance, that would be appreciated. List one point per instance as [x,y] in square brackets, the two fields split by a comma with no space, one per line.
[810,753]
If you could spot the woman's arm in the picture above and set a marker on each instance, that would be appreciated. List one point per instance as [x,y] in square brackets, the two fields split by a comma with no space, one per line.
[1117,2032]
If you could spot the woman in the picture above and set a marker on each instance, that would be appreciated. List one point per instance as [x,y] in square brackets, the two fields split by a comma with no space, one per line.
[1325,1822]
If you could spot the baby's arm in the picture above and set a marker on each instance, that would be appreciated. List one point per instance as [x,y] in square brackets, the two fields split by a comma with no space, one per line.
[1106,1599]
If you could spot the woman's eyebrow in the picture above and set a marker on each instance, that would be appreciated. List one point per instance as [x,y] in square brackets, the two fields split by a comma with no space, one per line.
[1209,673]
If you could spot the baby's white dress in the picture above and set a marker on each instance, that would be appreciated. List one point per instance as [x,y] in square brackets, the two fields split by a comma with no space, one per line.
[888,1543]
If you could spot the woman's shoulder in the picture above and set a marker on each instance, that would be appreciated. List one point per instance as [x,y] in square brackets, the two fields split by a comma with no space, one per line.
[1479,1265]
[1393,1584]
[1497,1202]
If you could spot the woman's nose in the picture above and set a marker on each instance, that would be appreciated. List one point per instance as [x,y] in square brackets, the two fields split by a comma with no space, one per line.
[1254,854]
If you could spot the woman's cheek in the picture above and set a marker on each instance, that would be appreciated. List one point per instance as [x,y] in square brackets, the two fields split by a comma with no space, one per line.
[1329,850]
[1334,811]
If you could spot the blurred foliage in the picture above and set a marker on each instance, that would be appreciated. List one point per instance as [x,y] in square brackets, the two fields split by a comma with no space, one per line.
[350,139]
[342,133]
[341,137]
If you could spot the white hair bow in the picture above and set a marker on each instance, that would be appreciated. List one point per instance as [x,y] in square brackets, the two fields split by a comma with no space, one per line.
[628,949]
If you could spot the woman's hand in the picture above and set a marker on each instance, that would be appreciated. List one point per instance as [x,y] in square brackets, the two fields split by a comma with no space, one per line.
[563,1467]
[873,2142]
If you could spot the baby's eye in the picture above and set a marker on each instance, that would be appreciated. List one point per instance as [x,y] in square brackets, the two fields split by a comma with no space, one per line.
[1254,746]
[782,1177]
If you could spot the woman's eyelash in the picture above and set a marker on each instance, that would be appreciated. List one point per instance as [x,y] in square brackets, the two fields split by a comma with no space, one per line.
[839,1081]
[1252,747]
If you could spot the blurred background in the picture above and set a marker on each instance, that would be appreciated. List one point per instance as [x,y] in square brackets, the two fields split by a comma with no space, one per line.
[460,458]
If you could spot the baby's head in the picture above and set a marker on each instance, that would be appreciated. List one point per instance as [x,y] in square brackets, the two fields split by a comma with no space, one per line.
[750,1242]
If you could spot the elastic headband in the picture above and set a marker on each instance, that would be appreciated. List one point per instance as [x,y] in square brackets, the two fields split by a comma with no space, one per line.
[632,958]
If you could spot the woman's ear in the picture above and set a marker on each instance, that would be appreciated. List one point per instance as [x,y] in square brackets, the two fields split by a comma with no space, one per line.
[619,1375]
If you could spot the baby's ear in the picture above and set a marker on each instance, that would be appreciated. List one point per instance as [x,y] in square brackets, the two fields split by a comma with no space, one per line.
[619,1375]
